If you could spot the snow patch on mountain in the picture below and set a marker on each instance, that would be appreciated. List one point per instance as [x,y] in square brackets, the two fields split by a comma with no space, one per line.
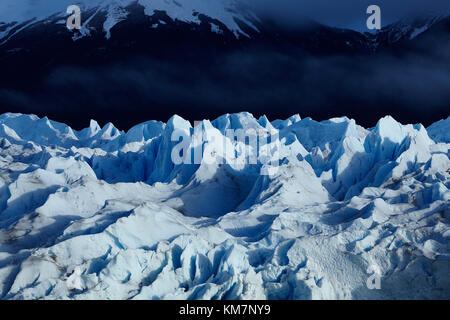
[105,214]
[227,12]
[409,28]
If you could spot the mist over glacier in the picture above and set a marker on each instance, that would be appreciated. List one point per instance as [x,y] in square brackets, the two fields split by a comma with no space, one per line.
[200,59]
[105,214]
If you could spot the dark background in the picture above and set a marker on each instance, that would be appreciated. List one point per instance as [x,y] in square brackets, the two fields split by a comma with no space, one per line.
[139,76]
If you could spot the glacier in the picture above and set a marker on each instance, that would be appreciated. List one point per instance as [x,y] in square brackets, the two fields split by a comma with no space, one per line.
[102,213]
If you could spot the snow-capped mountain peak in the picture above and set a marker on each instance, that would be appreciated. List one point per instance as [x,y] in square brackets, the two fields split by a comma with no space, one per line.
[109,209]
[230,14]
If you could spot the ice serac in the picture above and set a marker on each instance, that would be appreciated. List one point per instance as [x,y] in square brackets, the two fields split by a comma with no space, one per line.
[106,214]
[335,151]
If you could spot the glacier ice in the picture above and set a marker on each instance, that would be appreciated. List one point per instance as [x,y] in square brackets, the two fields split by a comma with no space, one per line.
[105,214]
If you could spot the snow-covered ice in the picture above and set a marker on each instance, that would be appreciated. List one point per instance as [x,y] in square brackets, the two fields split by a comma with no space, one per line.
[105,214]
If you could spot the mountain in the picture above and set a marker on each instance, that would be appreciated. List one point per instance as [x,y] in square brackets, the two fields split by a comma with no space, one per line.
[222,17]
[101,213]
[201,58]
[131,23]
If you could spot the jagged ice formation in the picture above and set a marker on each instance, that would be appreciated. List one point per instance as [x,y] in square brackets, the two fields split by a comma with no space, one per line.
[105,214]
